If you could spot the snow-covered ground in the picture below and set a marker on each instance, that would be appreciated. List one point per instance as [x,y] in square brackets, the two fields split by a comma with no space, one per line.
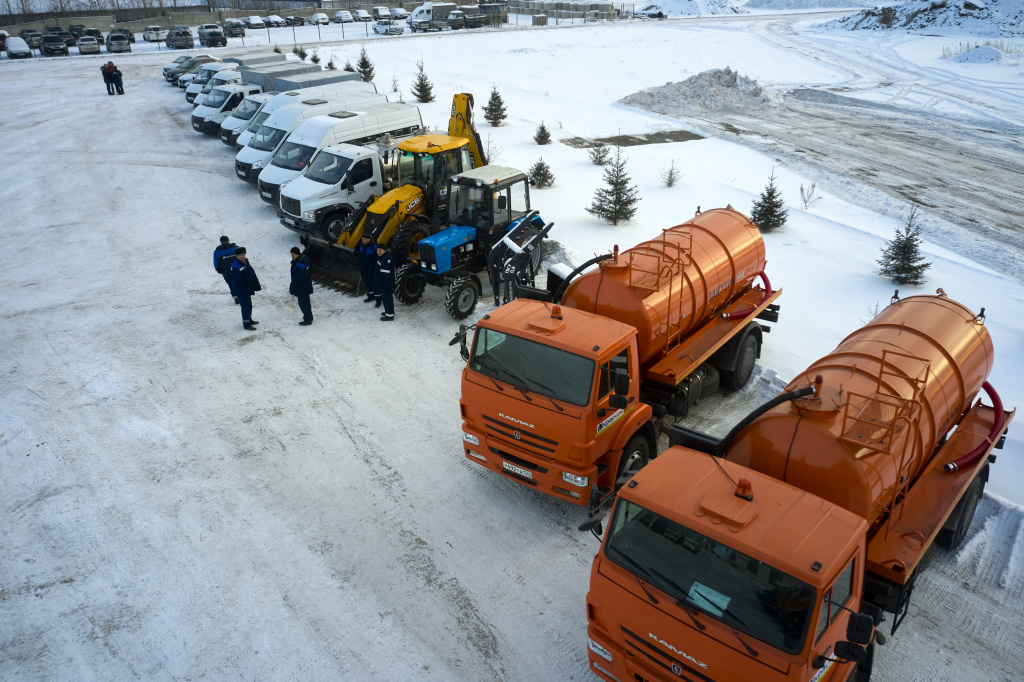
[182,499]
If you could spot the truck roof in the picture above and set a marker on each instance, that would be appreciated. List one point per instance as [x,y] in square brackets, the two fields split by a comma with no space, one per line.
[783,526]
[578,332]
[430,144]
[491,175]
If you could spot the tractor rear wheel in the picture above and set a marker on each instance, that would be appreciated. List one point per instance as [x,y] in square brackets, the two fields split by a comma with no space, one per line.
[405,243]
[461,297]
[525,235]
[409,283]
[336,224]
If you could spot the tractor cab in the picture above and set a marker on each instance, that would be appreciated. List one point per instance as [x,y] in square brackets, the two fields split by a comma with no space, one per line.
[487,198]
[427,162]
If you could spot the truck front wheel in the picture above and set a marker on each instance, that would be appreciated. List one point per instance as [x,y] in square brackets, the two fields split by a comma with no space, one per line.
[336,224]
[634,458]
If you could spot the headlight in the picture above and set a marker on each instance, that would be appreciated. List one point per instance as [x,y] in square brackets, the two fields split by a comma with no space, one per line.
[308,215]
[599,650]
[257,165]
[470,438]
[477,455]
[208,118]
[578,481]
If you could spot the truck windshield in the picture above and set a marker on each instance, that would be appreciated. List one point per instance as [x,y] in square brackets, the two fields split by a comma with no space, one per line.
[533,366]
[246,110]
[415,169]
[216,98]
[257,121]
[203,77]
[703,574]
[468,205]
[328,168]
[266,138]
[293,156]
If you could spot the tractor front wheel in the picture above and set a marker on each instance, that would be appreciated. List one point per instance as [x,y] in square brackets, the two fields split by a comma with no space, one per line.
[462,297]
[409,283]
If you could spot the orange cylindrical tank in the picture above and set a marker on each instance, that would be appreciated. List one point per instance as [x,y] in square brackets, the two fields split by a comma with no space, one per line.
[891,391]
[671,286]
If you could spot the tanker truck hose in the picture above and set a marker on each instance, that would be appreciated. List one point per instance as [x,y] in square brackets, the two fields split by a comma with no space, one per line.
[977,453]
[740,314]
[745,422]
[557,297]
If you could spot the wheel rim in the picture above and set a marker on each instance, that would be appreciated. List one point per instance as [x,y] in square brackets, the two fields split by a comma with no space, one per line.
[414,286]
[335,227]
[745,367]
[466,298]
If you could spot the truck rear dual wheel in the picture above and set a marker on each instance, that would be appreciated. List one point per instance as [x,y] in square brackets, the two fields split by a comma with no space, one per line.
[951,538]
[461,297]
[409,283]
[743,366]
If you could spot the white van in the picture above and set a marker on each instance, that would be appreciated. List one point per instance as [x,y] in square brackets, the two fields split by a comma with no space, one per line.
[381,13]
[319,18]
[350,127]
[257,154]
[399,14]
[203,77]
[220,79]
[233,126]
[423,12]
[219,104]
[285,98]
[343,17]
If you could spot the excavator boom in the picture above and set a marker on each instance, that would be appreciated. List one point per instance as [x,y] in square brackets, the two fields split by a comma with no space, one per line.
[460,124]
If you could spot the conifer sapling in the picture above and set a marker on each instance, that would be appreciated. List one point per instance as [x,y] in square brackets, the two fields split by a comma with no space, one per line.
[542,136]
[364,66]
[494,111]
[617,201]
[769,211]
[422,88]
[901,260]
[541,175]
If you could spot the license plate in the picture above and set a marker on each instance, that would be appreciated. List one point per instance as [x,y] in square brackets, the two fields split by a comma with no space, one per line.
[267,195]
[241,173]
[196,126]
[289,221]
[525,473]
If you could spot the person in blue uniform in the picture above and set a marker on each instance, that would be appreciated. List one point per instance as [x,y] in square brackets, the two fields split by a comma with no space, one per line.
[366,252]
[223,257]
[244,283]
[302,285]
[384,283]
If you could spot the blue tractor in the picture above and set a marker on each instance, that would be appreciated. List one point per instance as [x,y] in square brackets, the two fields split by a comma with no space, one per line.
[489,227]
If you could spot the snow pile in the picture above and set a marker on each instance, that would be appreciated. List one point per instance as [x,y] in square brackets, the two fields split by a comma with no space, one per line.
[686,8]
[978,55]
[1002,18]
[718,90]
[786,5]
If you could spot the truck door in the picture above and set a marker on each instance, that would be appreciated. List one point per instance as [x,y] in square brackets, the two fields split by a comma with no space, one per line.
[361,183]
[826,630]
[605,417]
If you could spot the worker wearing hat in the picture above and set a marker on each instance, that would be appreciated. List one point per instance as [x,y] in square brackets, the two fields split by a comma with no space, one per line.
[302,285]
[384,283]
[366,252]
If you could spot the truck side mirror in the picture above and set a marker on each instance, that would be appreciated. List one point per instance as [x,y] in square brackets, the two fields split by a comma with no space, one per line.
[621,384]
[851,652]
[859,628]
[502,202]
[617,402]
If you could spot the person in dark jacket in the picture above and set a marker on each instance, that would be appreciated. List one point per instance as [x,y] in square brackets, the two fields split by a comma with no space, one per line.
[108,80]
[366,251]
[302,285]
[244,284]
[116,77]
[223,257]
[384,283]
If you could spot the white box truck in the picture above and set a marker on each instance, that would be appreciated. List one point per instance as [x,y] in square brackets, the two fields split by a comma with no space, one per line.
[358,127]
[203,76]
[233,126]
[257,153]
[290,96]
[219,105]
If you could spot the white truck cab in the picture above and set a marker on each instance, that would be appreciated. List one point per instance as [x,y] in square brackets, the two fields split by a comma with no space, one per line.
[358,127]
[232,126]
[337,181]
[219,104]
[258,152]
[203,77]
[219,79]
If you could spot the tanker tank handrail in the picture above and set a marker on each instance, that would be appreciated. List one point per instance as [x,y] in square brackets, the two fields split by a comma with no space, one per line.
[740,314]
[757,412]
[997,427]
[560,291]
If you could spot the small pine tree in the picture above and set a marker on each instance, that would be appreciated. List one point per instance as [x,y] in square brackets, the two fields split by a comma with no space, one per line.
[422,88]
[348,66]
[541,175]
[542,136]
[331,65]
[769,212]
[670,176]
[901,260]
[315,57]
[277,49]
[394,82]
[599,154]
[618,201]
[364,66]
[494,112]
[301,51]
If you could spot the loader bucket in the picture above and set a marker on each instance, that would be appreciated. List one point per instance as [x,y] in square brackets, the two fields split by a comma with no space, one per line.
[333,266]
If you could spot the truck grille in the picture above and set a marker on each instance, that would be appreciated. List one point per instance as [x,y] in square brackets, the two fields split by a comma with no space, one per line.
[269,192]
[289,205]
[225,136]
[527,441]
[243,169]
[197,123]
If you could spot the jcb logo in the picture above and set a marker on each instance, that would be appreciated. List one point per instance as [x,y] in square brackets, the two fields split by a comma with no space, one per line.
[412,204]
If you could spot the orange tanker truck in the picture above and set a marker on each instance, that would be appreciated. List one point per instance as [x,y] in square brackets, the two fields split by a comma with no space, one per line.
[773,553]
[562,395]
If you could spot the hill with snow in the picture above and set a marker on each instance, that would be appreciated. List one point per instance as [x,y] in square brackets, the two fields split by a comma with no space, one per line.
[995,18]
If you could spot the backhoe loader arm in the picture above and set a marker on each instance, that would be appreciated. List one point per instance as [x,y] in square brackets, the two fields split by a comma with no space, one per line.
[461,125]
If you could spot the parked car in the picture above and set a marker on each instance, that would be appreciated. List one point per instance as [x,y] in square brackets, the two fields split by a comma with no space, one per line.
[233,28]
[319,18]
[17,48]
[399,14]
[178,61]
[52,29]
[362,15]
[32,37]
[181,27]
[253,22]
[118,42]
[88,45]
[76,30]
[3,39]
[126,32]
[154,34]
[214,38]
[203,28]
[277,21]
[388,27]
[69,39]
[180,40]
[53,45]
[295,21]
[194,62]
[95,33]
[343,17]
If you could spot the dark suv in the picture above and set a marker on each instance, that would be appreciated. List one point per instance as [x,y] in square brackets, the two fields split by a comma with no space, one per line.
[126,32]
[52,45]
[212,38]
[233,28]
[76,30]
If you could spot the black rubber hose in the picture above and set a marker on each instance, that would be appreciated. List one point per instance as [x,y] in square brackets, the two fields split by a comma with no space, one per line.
[745,422]
[557,297]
